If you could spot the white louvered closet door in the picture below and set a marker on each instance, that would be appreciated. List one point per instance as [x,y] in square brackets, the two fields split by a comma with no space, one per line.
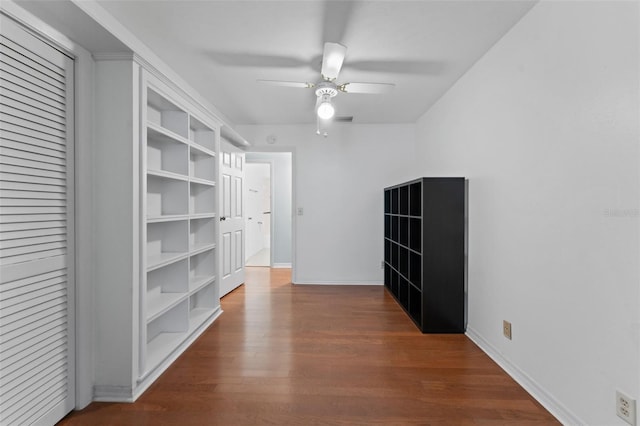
[36,229]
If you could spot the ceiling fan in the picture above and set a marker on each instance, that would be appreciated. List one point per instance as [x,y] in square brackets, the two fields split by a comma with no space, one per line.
[327,88]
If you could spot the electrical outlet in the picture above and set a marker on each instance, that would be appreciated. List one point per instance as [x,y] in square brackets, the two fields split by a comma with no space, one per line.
[506,329]
[626,408]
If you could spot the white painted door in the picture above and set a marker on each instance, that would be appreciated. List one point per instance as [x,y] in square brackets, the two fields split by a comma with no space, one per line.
[231,217]
[36,229]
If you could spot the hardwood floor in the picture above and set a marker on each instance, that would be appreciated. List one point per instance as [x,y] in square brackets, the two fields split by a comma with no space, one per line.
[323,355]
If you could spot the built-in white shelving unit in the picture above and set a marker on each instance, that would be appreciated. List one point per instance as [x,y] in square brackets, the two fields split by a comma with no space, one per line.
[181,289]
[156,226]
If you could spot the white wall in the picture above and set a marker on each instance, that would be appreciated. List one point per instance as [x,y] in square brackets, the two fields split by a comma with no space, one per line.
[339,182]
[545,126]
[282,197]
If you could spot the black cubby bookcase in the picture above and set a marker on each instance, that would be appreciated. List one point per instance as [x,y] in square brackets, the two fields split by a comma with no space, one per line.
[424,259]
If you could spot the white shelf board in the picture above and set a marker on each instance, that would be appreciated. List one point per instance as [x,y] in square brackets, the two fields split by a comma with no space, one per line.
[201,149]
[161,347]
[164,259]
[200,281]
[199,316]
[200,248]
[202,181]
[167,218]
[161,303]
[202,215]
[167,175]
[160,132]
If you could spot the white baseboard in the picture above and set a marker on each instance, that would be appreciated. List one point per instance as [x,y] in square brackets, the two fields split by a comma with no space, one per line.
[328,282]
[281,265]
[541,395]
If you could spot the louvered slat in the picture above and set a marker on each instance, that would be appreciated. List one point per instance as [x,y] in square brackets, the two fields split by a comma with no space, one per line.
[54,68]
[35,193]
[30,159]
[39,126]
[54,332]
[16,60]
[35,202]
[31,133]
[30,144]
[29,89]
[49,86]
[25,226]
[38,318]
[30,112]
[34,99]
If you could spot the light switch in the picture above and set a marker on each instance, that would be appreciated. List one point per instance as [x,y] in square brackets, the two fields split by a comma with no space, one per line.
[300,211]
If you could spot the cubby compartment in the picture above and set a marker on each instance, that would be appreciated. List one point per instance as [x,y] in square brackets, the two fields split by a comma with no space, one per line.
[394,201]
[387,226]
[201,305]
[387,276]
[166,196]
[387,201]
[202,198]
[394,228]
[202,134]
[415,199]
[202,165]
[394,256]
[403,261]
[394,283]
[415,269]
[403,231]
[165,332]
[415,304]
[202,233]
[202,269]
[415,234]
[403,200]
[165,153]
[403,292]
[387,251]
[167,115]
[166,242]
[166,286]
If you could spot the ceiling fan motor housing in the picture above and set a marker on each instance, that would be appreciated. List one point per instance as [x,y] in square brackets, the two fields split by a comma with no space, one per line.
[326,88]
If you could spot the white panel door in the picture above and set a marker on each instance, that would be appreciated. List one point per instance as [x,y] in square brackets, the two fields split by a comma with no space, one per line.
[36,229]
[231,216]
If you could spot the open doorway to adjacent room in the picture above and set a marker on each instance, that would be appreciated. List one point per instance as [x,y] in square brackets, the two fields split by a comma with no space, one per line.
[258,213]
[269,201]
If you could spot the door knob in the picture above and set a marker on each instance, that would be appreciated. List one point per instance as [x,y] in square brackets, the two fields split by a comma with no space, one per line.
[223,218]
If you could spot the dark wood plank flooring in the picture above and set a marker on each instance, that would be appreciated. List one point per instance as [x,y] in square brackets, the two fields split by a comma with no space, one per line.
[323,355]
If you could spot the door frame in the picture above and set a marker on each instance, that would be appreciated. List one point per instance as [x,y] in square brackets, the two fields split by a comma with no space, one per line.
[82,214]
[246,194]
[294,218]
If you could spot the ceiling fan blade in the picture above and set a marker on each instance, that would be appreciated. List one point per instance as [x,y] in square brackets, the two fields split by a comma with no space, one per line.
[372,88]
[332,60]
[297,84]
[337,14]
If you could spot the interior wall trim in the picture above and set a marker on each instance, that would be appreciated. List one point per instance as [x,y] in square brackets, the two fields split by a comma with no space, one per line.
[538,392]
[340,282]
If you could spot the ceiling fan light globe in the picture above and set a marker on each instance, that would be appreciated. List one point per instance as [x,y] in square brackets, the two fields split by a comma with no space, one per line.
[326,110]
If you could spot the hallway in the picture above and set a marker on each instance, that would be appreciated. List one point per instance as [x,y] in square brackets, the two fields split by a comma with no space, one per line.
[319,355]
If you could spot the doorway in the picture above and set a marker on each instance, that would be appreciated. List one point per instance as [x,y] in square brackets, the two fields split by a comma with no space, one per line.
[258,215]
[276,214]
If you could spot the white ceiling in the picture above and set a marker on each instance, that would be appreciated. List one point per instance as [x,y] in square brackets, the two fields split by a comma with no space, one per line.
[222,47]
